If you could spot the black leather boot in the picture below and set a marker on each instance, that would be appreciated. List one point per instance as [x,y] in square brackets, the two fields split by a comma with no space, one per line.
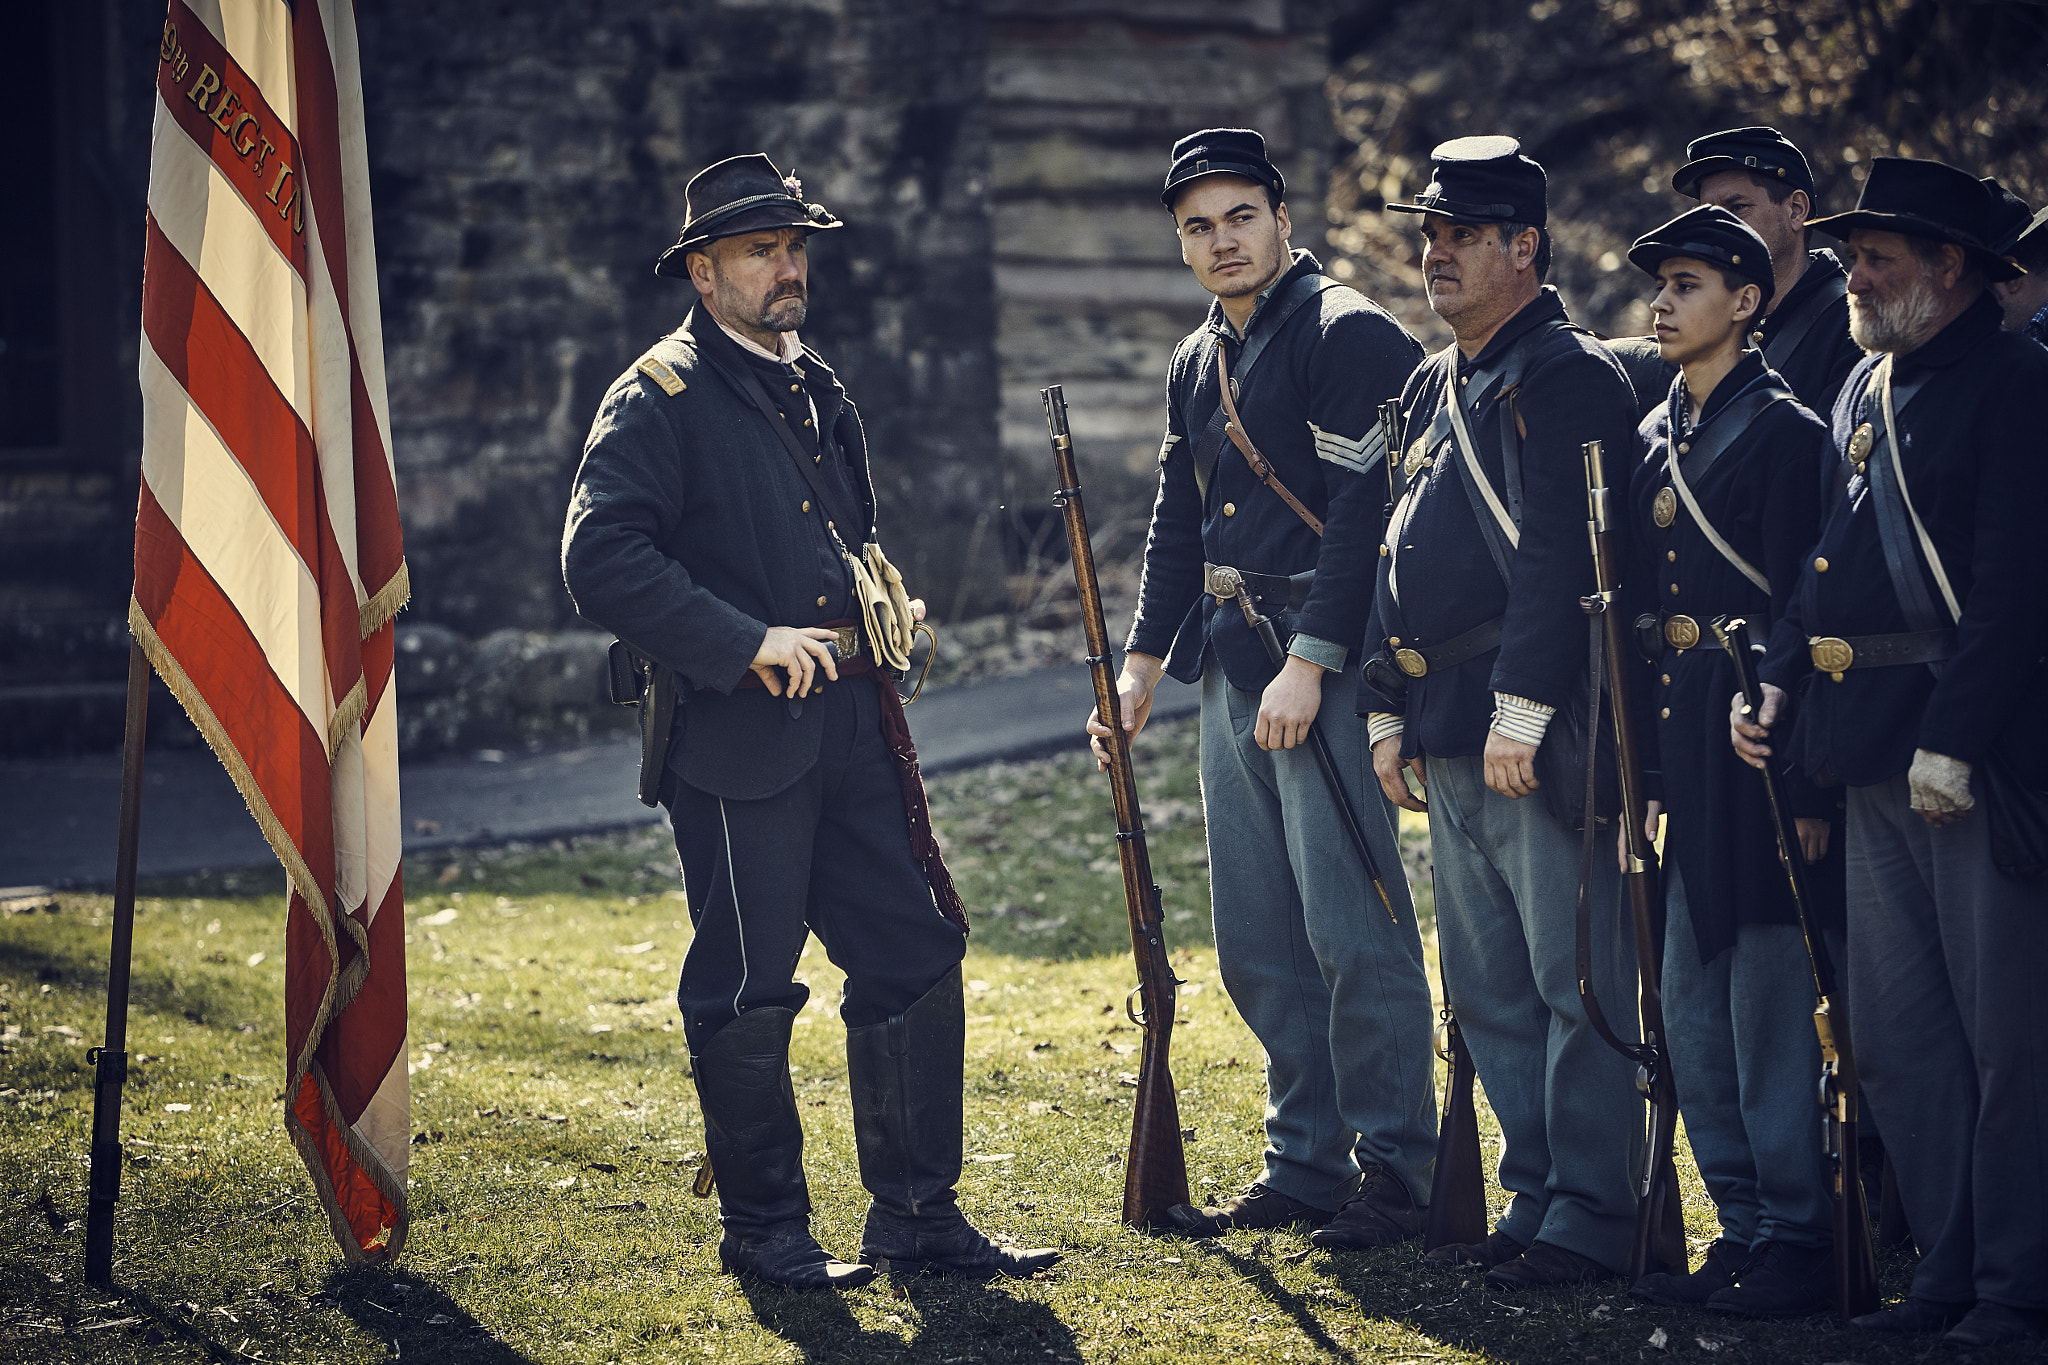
[906,1078]
[756,1146]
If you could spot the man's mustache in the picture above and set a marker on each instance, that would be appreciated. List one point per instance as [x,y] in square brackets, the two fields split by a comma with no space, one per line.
[787,291]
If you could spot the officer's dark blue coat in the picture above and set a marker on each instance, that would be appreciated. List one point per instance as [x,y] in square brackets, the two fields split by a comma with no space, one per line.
[1572,391]
[688,536]
[1310,406]
[1763,494]
[1971,448]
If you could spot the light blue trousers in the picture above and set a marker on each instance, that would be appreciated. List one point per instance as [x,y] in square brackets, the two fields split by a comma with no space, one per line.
[1948,1002]
[1333,989]
[1747,1063]
[1571,1121]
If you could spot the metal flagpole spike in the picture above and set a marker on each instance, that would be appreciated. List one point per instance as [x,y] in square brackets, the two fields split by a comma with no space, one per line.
[111,1057]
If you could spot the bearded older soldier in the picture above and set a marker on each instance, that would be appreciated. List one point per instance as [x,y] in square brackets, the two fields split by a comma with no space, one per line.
[1478,592]
[724,479]
[1918,629]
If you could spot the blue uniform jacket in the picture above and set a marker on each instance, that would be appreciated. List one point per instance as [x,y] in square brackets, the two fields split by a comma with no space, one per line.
[1310,405]
[1763,494]
[691,531]
[1572,391]
[1971,449]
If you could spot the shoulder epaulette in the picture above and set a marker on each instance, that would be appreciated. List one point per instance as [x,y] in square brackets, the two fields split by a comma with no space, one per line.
[653,368]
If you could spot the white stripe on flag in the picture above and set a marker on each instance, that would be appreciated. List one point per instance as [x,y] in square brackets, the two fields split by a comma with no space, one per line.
[208,496]
[259,38]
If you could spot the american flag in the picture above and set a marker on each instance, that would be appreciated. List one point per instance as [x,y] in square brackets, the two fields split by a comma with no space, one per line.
[268,560]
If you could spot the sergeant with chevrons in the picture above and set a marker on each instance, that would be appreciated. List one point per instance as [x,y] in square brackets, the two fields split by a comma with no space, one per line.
[1478,593]
[1333,988]
[1725,504]
[1919,619]
[702,530]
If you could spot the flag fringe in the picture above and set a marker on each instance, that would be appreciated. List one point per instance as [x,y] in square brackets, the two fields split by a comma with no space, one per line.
[216,736]
[348,714]
[385,602]
[366,1157]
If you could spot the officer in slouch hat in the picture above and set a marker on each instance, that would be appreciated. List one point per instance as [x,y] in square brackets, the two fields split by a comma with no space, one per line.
[1333,986]
[1477,599]
[1724,506]
[1918,631]
[718,524]
[1760,176]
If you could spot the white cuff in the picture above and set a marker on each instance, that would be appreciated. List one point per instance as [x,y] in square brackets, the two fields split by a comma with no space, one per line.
[1938,782]
[1381,725]
[1520,719]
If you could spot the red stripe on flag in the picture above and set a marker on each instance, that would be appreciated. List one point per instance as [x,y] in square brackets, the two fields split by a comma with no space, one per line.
[379,545]
[362,1205]
[363,1040]
[213,362]
[223,110]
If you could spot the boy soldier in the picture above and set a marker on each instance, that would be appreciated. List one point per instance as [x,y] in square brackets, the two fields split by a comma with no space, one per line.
[1724,506]
[702,530]
[1919,622]
[1762,178]
[1333,986]
[1478,595]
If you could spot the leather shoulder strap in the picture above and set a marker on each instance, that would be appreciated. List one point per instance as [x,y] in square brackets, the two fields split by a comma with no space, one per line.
[828,498]
[1730,422]
[1793,329]
[1262,468]
[1279,308]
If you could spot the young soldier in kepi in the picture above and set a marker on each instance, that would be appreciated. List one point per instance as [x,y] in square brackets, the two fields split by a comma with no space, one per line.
[1724,506]
[724,479]
[1478,597]
[1760,177]
[1332,985]
[1919,618]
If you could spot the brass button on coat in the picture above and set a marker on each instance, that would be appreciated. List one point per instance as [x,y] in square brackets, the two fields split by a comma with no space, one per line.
[1674,590]
[807,504]
[1667,680]
[1229,509]
[1685,447]
[821,601]
[1820,565]
[1671,556]
[1665,713]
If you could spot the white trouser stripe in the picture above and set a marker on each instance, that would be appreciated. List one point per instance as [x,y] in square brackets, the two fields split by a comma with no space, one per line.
[739,926]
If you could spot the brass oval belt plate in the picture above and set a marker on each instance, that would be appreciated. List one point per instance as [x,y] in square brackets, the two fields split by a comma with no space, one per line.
[1681,632]
[1831,654]
[1411,662]
[1860,441]
[1664,510]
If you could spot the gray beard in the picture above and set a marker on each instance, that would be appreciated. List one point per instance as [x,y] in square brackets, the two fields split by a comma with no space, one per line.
[1902,325]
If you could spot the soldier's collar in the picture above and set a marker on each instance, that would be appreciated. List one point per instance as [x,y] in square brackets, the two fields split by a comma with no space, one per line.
[1304,263]
[1955,341]
[1547,306]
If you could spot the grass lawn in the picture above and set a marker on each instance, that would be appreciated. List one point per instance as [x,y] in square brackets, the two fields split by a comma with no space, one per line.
[556,1131]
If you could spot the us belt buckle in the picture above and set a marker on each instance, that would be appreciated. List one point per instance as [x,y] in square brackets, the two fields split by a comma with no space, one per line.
[1221,581]
[1831,654]
[845,642]
[1681,632]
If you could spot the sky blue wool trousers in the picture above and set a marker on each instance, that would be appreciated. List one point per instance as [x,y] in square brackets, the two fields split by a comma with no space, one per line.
[1747,1063]
[1333,989]
[1948,1006]
[1571,1121]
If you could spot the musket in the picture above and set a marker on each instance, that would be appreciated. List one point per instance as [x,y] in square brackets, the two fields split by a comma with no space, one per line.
[1659,1242]
[1855,1261]
[1156,1173]
[1262,626]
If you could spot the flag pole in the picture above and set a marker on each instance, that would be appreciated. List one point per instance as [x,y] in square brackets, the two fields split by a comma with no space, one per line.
[112,1057]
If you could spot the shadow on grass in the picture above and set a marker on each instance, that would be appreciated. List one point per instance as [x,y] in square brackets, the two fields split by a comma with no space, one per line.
[950,1320]
[1260,1276]
[197,994]
[415,1316]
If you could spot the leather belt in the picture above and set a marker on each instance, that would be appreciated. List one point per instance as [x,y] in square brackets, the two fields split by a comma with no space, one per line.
[1835,655]
[1264,587]
[1456,650]
[849,654]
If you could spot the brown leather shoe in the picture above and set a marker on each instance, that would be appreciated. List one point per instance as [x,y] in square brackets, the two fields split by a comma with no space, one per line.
[1545,1266]
[1497,1247]
[1381,1213]
[1258,1206]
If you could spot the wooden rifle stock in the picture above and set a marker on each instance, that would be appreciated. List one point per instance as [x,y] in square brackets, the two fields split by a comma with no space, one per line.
[1156,1173]
[1457,1193]
[1855,1262]
[1659,1242]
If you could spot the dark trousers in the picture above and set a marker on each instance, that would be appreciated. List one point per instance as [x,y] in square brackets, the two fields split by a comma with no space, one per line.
[828,855]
